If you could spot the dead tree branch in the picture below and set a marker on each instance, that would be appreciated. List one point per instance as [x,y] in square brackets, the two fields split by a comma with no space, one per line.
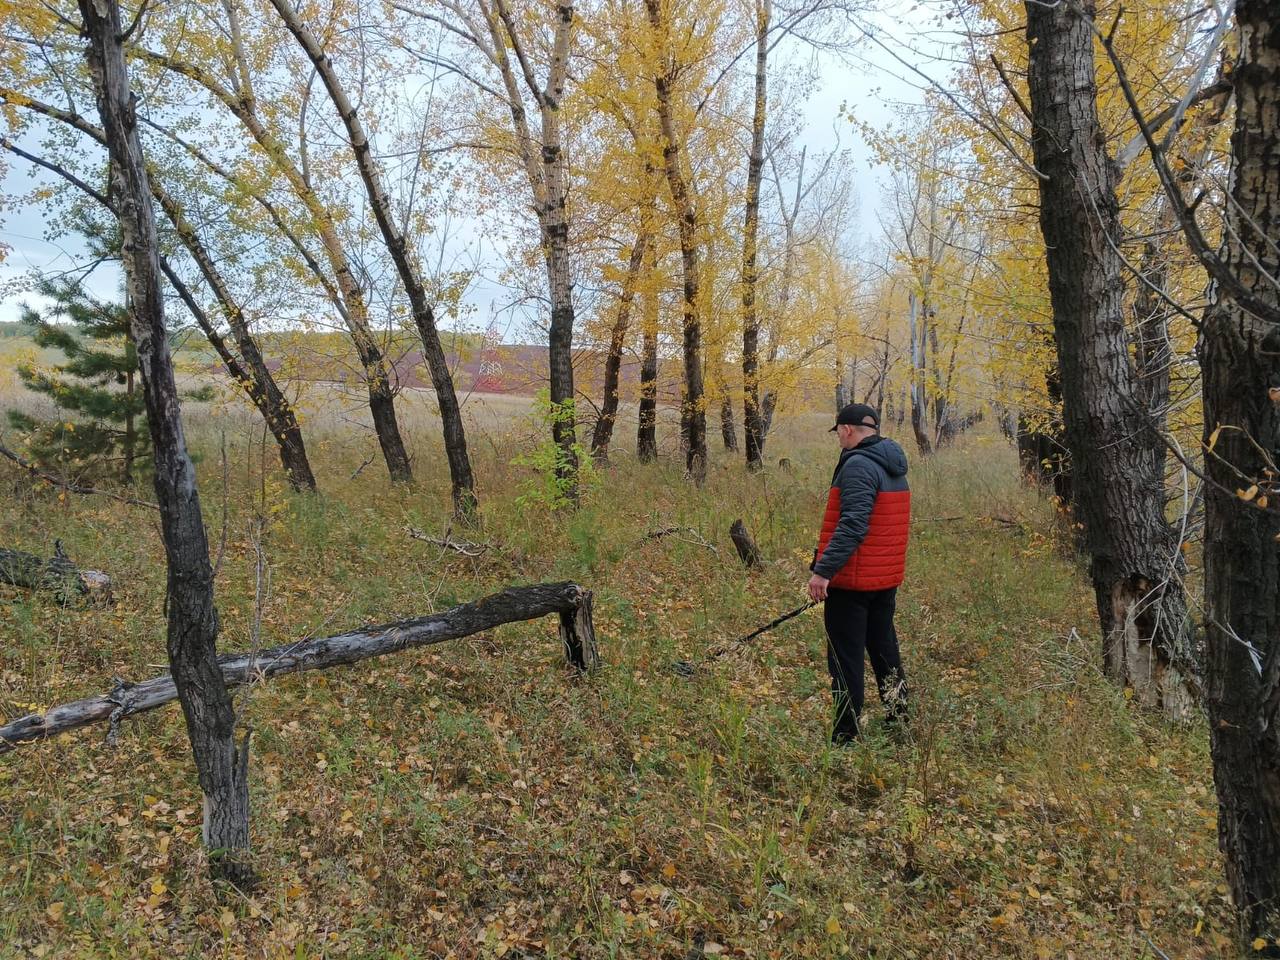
[570,601]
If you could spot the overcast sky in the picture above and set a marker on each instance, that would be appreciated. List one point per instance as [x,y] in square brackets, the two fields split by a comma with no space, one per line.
[872,89]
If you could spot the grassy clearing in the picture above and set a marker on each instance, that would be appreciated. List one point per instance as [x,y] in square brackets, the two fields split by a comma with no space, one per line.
[475,801]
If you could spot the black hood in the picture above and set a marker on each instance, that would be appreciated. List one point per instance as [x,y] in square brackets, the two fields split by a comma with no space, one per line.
[883,451]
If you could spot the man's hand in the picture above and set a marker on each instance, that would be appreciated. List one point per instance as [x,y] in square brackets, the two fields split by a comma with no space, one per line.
[818,588]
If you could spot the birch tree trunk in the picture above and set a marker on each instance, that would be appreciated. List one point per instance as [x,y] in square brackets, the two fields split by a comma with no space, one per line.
[602,436]
[192,618]
[1120,498]
[753,424]
[693,415]
[919,402]
[545,166]
[1240,366]
[455,439]
[555,222]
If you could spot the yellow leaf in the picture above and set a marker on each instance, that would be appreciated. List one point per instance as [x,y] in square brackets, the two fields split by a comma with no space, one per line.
[669,870]
[228,919]
[833,926]
[1247,495]
[158,887]
[55,911]
[293,892]
[1259,944]
[1213,438]
[1262,501]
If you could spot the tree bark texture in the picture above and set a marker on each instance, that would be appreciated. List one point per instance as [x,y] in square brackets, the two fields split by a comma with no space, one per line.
[693,414]
[919,361]
[455,438]
[222,767]
[602,436]
[1240,366]
[728,431]
[745,544]
[1134,553]
[58,575]
[752,421]
[555,221]
[568,600]
[647,430]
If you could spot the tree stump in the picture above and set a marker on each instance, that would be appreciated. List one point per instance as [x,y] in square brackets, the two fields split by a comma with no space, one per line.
[747,548]
[578,634]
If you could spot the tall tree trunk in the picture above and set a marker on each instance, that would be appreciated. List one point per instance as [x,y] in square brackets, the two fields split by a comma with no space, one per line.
[603,433]
[556,242]
[1240,367]
[193,619]
[919,401]
[280,419]
[693,413]
[262,389]
[130,430]
[455,439]
[752,420]
[647,430]
[1141,607]
[728,432]
[841,390]
[545,166]
[354,309]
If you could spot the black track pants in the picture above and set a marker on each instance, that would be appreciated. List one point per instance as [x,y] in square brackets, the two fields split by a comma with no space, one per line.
[857,621]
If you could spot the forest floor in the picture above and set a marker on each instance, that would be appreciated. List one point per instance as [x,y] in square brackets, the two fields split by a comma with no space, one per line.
[476,800]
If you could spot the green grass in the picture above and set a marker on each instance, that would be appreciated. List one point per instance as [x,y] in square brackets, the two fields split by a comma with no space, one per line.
[475,800]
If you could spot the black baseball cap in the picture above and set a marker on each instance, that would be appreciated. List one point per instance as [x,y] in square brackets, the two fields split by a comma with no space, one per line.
[857,415]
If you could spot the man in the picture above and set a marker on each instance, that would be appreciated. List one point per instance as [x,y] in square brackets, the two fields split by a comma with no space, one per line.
[859,564]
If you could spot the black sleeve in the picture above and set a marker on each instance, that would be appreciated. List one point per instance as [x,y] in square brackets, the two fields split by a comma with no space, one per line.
[859,482]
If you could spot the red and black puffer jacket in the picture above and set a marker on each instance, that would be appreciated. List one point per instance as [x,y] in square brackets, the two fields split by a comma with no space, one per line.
[863,543]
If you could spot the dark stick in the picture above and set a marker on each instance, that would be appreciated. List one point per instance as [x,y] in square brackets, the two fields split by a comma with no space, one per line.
[778,621]
[686,668]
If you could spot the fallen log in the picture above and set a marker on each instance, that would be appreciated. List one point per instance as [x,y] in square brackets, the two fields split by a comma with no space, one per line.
[569,600]
[747,548]
[57,575]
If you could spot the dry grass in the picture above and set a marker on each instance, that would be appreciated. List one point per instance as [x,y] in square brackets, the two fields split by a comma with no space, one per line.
[476,801]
